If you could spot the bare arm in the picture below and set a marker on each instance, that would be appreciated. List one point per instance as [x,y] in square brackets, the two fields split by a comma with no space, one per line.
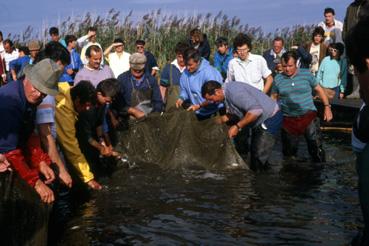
[274,96]
[163,91]
[246,120]
[327,107]
[268,84]
[48,142]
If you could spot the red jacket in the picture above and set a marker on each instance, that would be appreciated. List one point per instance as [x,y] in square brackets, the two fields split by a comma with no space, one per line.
[26,161]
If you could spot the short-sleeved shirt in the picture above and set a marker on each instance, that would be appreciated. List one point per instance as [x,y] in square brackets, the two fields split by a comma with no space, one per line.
[241,98]
[252,71]
[8,57]
[295,92]
[18,64]
[45,113]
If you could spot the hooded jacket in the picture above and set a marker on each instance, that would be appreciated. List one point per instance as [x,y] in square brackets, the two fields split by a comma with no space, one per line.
[191,83]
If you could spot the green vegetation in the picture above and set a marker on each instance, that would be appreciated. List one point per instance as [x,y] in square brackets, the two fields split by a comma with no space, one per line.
[162,31]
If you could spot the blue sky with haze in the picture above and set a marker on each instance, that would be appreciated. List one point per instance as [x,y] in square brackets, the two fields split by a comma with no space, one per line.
[16,16]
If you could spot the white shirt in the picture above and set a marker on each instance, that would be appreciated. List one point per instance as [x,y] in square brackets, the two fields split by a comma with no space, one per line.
[252,71]
[2,51]
[83,53]
[332,34]
[8,57]
[119,64]
[315,54]
[175,63]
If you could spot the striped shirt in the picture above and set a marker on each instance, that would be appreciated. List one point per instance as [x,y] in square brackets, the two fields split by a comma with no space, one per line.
[295,92]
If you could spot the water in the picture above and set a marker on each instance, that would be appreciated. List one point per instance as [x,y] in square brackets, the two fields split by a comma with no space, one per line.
[294,203]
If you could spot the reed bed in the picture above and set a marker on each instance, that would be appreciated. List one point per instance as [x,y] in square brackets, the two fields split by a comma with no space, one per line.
[162,31]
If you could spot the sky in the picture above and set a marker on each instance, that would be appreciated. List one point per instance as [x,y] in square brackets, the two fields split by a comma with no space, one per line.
[269,14]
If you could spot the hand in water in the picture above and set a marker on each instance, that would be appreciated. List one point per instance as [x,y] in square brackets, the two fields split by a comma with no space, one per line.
[4,164]
[93,184]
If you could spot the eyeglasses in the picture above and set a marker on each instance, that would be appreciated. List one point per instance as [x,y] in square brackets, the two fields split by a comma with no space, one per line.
[332,50]
[139,47]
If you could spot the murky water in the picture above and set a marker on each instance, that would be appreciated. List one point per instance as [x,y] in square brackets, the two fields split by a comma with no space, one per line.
[294,203]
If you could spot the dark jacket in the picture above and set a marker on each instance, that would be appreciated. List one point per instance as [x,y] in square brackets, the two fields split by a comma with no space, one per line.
[17,143]
[123,99]
[204,48]
[304,57]
[356,11]
[270,59]
[322,52]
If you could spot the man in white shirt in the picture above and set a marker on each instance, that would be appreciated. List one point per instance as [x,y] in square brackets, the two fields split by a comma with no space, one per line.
[119,59]
[86,41]
[247,67]
[10,54]
[332,27]
[1,45]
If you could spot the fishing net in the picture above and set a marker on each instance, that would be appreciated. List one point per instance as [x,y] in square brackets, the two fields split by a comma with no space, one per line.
[177,139]
[23,217]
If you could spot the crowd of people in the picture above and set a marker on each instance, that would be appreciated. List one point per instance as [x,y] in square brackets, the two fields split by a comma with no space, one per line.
[62,107]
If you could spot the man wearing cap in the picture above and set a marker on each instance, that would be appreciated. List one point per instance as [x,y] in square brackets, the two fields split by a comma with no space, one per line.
[151,65]
[139,92]
[26,56]
[34,48]
[19,101]
[93,70]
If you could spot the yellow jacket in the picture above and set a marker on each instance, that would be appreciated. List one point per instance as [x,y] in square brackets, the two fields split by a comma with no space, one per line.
[65,117]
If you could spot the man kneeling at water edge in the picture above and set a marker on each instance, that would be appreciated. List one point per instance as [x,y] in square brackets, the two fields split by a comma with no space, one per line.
[255,110]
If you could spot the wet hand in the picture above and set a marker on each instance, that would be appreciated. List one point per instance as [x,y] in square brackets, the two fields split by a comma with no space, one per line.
[93,184]
[194,107]
[233,131]
[179,103]
[66,178]
[105,151]
[46,194]
[47,172]
[4,163]
[139,114]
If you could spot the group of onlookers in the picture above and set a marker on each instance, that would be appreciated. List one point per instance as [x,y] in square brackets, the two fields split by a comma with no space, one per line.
[61,108]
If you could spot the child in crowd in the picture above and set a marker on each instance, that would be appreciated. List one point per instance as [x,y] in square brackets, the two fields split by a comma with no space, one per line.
[222,56]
